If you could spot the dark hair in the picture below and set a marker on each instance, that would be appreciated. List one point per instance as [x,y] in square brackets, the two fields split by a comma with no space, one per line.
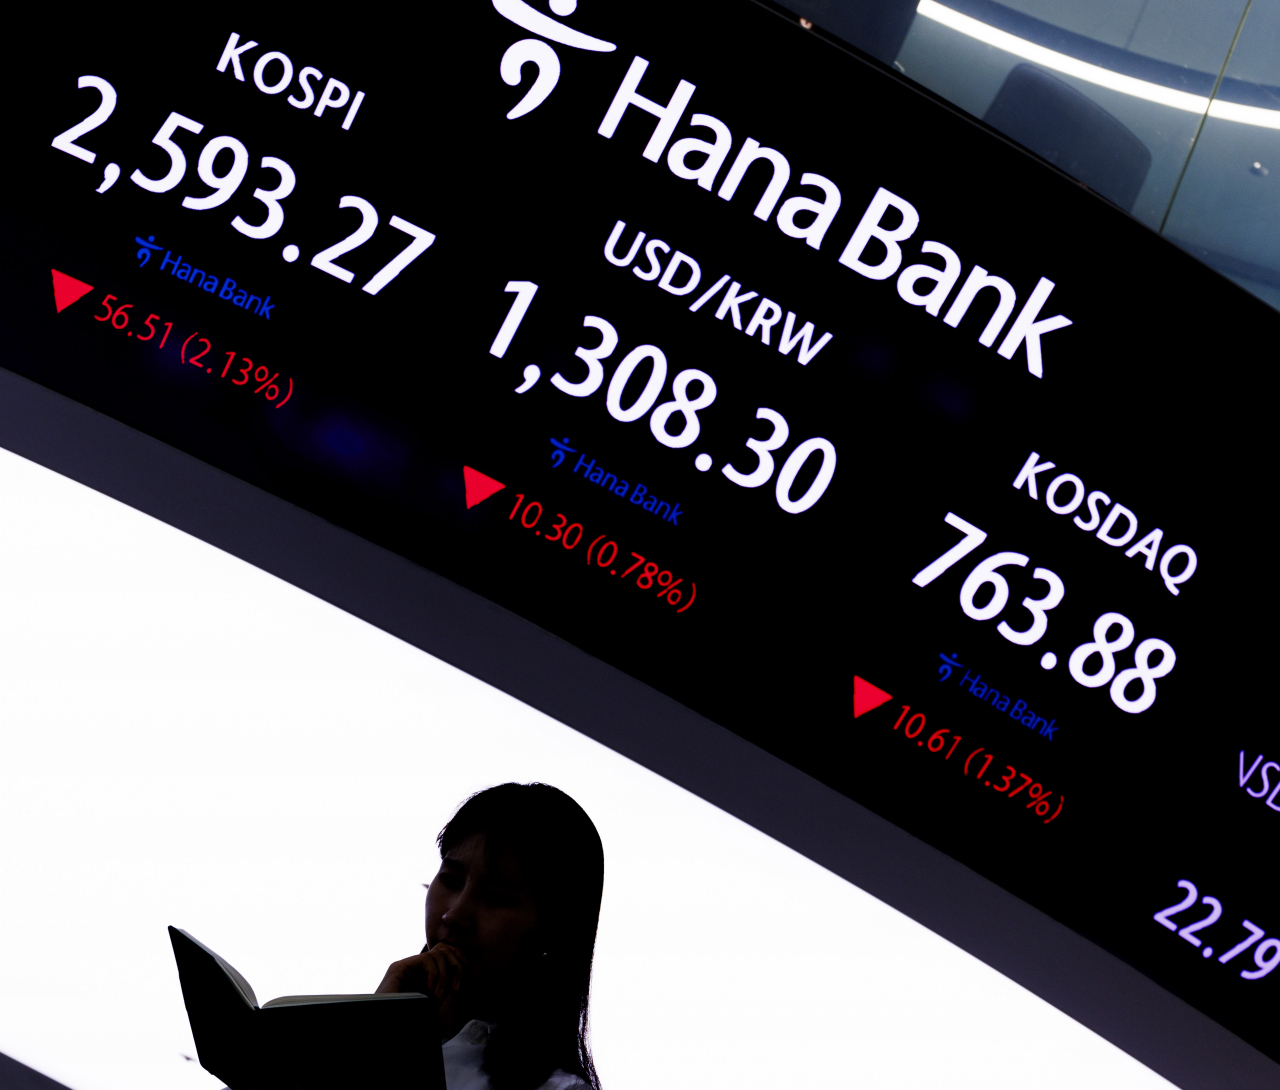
[560,856]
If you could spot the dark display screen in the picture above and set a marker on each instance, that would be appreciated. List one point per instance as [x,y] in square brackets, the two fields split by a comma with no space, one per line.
[738,362]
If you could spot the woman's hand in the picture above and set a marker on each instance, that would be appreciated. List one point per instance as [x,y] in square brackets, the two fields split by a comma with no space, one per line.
[437,972]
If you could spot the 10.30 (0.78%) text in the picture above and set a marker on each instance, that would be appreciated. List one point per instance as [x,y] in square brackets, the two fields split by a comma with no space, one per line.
[603,552]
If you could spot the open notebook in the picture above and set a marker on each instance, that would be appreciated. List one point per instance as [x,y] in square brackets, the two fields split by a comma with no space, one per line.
[304,1041]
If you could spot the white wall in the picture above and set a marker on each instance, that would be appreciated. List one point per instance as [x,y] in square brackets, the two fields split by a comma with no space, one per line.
[185,739]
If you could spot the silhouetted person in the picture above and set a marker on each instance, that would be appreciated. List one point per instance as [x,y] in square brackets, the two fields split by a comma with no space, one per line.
[511,930]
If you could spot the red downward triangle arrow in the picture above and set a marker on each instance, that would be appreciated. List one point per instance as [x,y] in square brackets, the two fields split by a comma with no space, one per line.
[866,697]
[479,486]
[67,289]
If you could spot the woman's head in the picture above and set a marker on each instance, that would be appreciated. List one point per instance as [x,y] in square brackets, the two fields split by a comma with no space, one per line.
[518,892]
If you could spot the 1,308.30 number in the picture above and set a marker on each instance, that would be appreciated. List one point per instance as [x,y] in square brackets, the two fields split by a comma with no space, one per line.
[682,409]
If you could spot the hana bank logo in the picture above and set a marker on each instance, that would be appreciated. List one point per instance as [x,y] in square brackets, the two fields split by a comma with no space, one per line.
[537,52]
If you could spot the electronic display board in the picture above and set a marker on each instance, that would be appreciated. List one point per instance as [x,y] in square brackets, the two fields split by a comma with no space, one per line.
[738,362]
